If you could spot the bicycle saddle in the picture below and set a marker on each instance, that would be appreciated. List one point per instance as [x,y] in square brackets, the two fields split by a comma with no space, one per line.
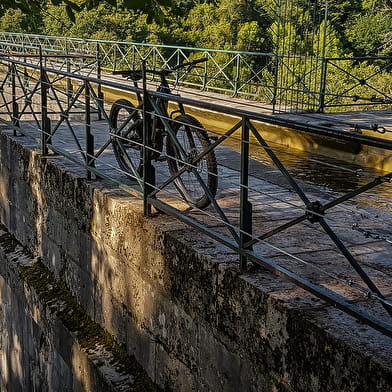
[134,75]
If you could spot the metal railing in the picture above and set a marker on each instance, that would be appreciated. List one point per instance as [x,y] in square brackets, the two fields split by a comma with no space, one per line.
[369,87]
[300,233]
[285,82]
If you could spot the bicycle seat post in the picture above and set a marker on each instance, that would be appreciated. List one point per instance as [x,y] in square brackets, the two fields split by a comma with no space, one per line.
[164,85]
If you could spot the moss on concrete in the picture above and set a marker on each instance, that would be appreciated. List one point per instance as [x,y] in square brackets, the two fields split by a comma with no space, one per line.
[90,335]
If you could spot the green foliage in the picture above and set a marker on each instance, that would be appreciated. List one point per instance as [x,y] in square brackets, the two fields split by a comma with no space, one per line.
[250,38]
[246,25]
[73,7]
[367,33]
[328,43]
[103,22]
[17,21]
[228,25]
[342,11]
[296,33]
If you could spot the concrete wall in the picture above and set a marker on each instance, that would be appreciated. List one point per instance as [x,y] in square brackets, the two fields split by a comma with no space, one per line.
[43,344]
[169,296]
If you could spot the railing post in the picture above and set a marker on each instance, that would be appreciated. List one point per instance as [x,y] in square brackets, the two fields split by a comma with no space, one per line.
[276,55]
[178,63]
[69,82]
[245,205]
[154,60]
[237,75]
[133,57]
[115,57]
[205,75]
[276,81]
[99,76]
[89,137]
[324,64]
[25,75]
[15,106]
[323,84]
[148,168]
[45,125]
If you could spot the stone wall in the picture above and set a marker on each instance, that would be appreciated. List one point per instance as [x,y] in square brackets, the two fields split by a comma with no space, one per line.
[170,297]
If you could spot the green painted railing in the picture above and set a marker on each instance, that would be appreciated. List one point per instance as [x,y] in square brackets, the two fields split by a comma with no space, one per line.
[285,82]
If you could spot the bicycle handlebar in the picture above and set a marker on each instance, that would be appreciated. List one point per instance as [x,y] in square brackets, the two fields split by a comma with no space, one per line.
[190,63]
[136,75]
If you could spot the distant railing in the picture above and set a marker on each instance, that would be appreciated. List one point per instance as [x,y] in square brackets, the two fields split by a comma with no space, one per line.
[249,215]
[286,82]
[346,87]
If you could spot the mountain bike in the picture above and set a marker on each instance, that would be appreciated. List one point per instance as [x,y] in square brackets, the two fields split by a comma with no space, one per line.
[176,137]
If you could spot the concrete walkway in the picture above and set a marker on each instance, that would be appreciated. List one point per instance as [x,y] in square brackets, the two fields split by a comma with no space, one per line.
[374,123]
[346,120]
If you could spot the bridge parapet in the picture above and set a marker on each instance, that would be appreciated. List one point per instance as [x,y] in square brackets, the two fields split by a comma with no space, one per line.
[258,217]
[171,296]
[41,106]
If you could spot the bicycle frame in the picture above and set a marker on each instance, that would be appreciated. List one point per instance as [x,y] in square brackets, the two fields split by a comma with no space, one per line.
[193,172]
[158,130]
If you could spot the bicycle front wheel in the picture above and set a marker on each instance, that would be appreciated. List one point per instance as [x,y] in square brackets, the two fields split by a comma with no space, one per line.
[198,176]
[127,140]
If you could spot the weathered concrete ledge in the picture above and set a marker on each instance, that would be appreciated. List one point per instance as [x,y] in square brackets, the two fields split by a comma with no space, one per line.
[48,343]
[173,298]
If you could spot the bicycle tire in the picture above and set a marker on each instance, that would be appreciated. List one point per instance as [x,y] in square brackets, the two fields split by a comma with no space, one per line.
[127,140]
[194,139]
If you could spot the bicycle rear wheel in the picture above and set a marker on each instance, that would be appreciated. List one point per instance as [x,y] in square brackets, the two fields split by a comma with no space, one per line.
[193,139]
[127,140]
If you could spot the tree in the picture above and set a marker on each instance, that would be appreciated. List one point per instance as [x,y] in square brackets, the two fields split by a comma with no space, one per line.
[103,22]
[367,34]
[18,22]
[151,7]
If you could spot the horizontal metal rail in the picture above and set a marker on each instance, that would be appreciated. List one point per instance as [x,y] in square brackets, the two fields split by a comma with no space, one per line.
[36,102]
[313,129]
